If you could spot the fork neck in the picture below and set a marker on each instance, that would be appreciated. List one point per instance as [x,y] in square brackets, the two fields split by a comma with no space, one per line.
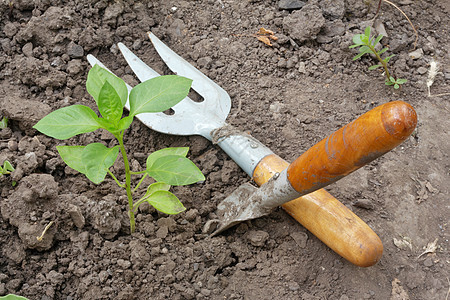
[244,149]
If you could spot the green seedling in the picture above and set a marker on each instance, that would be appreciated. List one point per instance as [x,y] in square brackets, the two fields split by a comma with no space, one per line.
[6,169]
[168,167]
[367,46]
[4,123]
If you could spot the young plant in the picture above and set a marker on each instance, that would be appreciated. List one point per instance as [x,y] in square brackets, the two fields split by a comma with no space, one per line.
[7,168]
[167,166]
[367,45]
[4,123]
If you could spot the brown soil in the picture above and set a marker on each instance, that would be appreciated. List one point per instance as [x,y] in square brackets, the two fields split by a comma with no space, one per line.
[288,96]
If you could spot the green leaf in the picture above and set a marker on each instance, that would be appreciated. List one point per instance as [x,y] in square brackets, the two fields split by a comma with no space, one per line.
[71,155]
[158,94]
[154,187]
[4,123]
[97,159]
[7,167]
[124,123]
[358,56]
[392,79]
[365,40]
[382,51]
[396,86]
[377,40]
[177,151]
[97,77]
[374,67]
[401,81]
[364,49]
[175,170]
[13,297]
[166,202]
[67,122]
[367,31]
[388,82]
[109,103]
[357,40]
[354,46]
[388,58]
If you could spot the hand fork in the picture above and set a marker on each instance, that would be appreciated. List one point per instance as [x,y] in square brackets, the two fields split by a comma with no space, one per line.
[313,207]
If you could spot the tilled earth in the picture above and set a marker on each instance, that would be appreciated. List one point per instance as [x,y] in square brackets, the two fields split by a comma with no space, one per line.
[289,96]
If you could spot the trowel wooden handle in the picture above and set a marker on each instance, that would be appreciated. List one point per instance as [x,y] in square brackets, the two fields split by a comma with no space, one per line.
[327,218]
[354,145]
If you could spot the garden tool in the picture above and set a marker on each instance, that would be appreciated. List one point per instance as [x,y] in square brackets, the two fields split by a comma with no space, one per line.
[326,162]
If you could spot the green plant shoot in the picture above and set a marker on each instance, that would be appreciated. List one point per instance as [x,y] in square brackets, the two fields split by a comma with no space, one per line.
[169,167]
[4,123]
[367,46]
[6,169]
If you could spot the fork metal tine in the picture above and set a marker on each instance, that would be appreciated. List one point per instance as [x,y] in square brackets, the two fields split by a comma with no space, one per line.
[211,92]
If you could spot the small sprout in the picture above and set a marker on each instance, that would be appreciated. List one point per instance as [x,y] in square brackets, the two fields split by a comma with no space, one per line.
[6,169]
[367,45]
[41,237]
[4,123]
[169,167]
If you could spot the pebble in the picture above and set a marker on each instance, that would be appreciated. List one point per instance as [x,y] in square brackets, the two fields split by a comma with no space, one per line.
[302,67]
[363,203]
[300,238]
[416,54]
[76,215]
[422,70]
[27,49]
[290,4]
[12,145]
[428,262]
[293,286]
[74,50]
[258,237]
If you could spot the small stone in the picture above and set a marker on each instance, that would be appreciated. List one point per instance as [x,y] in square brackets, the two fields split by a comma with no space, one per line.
[302,67]
[363,203]
[290,4]
[300,238]
[416,54]
[162,232]
[27,49]
[421,70]
[334,9]
[276,107]
[76,215]
[74,50]
[293,286]
[124,264]
[258,238]
[205,292]
[428,262]
[74,66]
[191,214]
[12,145]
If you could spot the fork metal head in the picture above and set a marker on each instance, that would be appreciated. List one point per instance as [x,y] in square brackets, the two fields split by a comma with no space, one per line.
[189,117]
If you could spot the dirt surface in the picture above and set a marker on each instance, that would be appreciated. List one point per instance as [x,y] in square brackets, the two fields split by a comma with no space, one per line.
[289,96]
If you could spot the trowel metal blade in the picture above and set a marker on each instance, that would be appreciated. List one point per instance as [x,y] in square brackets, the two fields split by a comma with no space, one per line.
[239,206]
